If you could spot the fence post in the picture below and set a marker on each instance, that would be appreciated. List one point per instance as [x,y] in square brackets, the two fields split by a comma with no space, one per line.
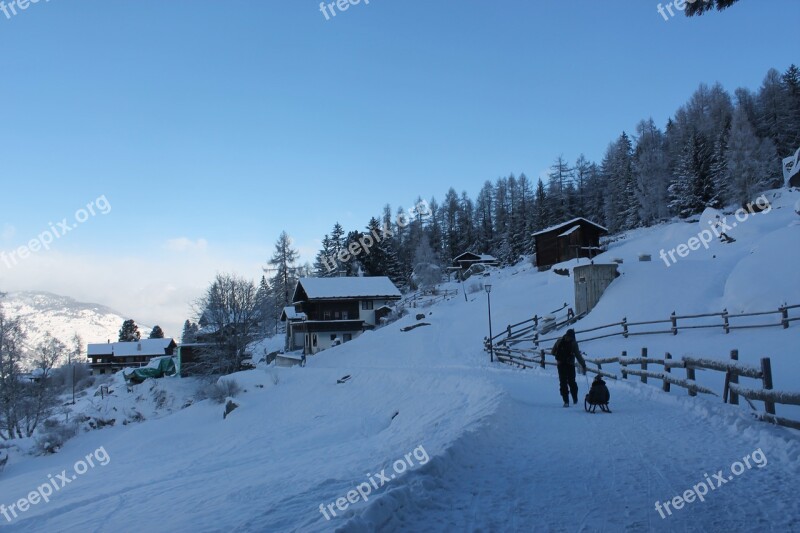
[625,327]
[644,364]
[766,370]
[726,325]
[509,331]
[536,340]
[674,319]
[784,317]
[623,364]
[542,362]
[536,321]
[667,370]
[690,376]
[734,398]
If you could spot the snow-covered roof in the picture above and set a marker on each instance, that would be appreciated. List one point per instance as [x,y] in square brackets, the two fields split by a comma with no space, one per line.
[131,349]
[290,313]
[570,231]
[480,257]
[338,288]
[569,223]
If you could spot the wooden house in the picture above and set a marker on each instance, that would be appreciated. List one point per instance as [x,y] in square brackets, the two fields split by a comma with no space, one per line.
[575,238]
[112,357]
[337,310]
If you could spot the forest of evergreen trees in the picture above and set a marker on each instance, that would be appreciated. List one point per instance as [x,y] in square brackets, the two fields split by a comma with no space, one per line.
[718,149]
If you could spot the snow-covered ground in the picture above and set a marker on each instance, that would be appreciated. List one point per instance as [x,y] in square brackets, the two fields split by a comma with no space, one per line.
[485,447]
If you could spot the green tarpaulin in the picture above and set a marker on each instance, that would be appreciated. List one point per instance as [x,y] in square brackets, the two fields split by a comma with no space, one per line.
[158,368]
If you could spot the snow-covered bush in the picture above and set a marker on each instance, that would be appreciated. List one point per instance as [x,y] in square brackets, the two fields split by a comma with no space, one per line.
[221,390]
[53,435]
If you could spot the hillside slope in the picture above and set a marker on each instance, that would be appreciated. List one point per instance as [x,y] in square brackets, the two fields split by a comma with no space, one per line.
[486,447]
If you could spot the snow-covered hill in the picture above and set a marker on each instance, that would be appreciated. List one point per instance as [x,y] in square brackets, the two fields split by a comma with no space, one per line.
[62,317]
[428,435]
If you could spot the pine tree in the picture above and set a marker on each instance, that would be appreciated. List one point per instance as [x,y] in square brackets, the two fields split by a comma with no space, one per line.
[484,219]
[129,332]
[651,172]
[189,334]
[692,188]
[773,113]
[283,263]
[156,333]
[325,265]
[790,82]
[698,8]
[749,161]
[560,176]
[541,216]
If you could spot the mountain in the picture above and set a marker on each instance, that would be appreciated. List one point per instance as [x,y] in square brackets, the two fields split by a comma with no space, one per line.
[62,317]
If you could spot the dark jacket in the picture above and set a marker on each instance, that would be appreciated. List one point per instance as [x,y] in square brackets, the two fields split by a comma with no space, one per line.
[566,350]
[598,394]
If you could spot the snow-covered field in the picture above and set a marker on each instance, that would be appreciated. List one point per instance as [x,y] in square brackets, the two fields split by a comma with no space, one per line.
[486,447]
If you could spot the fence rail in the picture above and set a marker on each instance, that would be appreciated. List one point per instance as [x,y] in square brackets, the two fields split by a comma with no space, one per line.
[427,298]
[532,330]
[733,370]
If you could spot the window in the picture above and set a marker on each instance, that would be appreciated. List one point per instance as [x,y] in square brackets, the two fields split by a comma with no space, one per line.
[345,315]
[337,315]
[347,337]
[326,315]
[315,340]
[367,305]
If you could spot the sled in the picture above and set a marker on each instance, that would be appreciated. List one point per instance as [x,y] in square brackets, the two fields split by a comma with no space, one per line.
[592,407]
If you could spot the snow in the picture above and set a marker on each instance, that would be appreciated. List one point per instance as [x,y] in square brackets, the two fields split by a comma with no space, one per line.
[504,455]
[359,287]
[568,223]
[570,231]
[290,313]
[142,347]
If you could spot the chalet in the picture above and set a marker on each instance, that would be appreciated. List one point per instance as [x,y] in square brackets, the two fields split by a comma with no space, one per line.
[112,357]
[569,240]
[337,310]
[467,259]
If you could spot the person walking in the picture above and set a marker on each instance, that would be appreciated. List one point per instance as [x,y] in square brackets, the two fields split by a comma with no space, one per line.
[566,351]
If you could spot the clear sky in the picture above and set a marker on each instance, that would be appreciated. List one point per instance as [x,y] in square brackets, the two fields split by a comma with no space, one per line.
[209,127]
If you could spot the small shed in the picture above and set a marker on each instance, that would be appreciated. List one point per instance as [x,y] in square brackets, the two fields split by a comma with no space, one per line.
[467,259]
[575,238]
[591,281]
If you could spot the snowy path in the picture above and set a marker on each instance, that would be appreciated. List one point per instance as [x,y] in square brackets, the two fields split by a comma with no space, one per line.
[538,466]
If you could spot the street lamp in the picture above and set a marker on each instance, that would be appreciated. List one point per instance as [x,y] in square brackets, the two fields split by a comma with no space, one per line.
[488,288]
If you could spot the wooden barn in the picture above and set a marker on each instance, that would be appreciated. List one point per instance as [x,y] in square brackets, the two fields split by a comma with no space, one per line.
[575,238]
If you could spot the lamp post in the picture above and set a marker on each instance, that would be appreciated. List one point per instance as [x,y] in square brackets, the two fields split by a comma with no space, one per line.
[488,288]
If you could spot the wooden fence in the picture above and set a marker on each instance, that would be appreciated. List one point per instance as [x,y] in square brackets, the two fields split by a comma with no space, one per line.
[530,332]
[733,371]
[427,298]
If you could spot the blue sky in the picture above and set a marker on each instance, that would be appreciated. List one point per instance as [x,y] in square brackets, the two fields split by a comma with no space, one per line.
[211,126]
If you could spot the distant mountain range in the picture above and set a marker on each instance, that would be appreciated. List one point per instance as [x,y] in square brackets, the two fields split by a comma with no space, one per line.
[62,317]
